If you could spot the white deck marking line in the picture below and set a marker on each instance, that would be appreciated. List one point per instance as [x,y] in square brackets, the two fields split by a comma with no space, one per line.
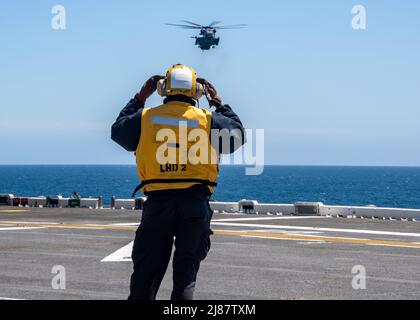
[239,219]
[247,225]
[273,218]
[285,231]
[273,226]
[63,225]
[328,239]
[239,230]
[311,236]
[28,222]
[4,298]
[312,242]
[121,255]
[264,237]
[20,228]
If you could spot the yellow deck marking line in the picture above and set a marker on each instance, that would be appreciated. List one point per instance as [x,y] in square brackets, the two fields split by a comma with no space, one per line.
[67,226]
[226,233]
[11,211]
[321,238]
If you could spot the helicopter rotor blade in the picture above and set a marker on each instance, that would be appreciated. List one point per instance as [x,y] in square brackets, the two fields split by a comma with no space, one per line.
[214,23]
[184,26]
[193,23]
[234,26]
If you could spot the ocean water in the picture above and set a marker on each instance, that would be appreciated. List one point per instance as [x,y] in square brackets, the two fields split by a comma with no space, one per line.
[381,186]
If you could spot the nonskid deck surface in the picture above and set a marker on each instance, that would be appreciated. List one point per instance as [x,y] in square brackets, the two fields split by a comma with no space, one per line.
[252,256]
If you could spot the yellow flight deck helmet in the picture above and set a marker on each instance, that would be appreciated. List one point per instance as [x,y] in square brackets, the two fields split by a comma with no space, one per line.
[180,79]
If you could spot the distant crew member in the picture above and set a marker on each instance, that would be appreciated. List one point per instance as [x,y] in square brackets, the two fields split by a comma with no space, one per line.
[178,169]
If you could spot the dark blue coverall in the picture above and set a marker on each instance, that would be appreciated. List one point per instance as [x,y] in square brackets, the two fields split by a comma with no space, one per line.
[183,214]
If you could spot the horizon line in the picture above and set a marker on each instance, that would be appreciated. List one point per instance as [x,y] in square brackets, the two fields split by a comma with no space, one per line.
[225,165]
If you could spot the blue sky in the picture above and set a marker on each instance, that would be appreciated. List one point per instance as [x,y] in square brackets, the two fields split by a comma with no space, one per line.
[323,92]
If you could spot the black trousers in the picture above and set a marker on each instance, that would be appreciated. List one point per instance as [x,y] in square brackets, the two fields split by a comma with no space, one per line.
[183,219]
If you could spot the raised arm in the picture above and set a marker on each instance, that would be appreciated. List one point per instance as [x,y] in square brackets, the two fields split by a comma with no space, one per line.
[126,129]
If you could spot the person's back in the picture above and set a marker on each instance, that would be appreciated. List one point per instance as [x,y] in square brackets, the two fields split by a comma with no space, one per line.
[177,151]
[175,154]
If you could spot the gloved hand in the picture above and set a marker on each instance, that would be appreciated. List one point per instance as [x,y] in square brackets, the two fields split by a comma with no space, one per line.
[148,88]
[210,93]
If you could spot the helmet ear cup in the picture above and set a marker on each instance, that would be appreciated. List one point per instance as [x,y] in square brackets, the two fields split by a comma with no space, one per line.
[199,90]
[161,88]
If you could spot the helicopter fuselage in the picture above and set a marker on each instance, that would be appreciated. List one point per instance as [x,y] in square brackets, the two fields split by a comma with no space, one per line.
[207,39]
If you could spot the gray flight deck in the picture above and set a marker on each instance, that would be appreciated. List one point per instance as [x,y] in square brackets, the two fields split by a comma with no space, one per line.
[252,256]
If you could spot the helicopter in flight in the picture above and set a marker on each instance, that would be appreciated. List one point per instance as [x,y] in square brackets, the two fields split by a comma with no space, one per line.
[207,38]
